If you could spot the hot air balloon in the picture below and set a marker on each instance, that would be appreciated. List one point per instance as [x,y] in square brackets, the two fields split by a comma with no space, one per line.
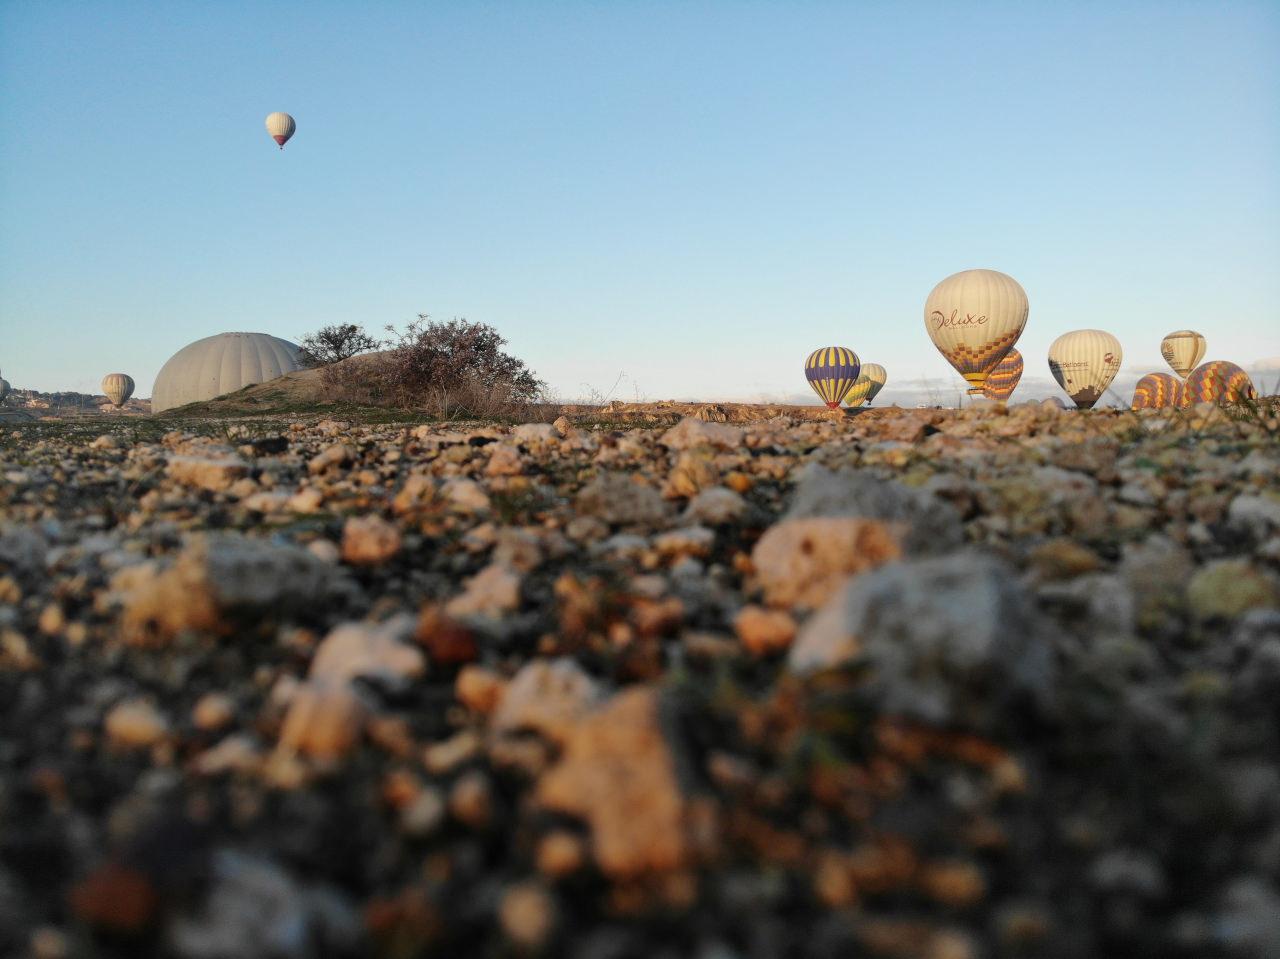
[1053,403]
[118,387]
[974,318]
[869,382]
[1157,391]
[281,127]
[1219,382]
[832,371]
[1084,362]
[221,364]
[1183,350]
[1003,380]
[4,388]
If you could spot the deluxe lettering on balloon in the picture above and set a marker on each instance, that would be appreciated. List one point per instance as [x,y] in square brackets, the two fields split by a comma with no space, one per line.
[942,321]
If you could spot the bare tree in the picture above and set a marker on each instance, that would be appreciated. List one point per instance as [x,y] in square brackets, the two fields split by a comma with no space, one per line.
[333,344]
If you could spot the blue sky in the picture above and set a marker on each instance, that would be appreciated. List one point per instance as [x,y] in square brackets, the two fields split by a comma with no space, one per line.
[693,195]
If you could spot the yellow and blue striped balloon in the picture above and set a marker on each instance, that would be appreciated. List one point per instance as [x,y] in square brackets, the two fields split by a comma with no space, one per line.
[832,371]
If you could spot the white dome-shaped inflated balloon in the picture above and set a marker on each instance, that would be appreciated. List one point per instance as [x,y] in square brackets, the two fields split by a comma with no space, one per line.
[221,364]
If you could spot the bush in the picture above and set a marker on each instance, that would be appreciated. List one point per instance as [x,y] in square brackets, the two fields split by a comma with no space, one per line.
[454,368]
[336,343]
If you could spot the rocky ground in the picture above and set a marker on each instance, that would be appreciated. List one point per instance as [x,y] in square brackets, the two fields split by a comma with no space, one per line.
[1000,682]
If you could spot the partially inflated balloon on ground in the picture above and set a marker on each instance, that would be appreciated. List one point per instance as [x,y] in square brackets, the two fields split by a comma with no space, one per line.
[1157,391]
[974,318]
[281,127]
[832,371]
[1003,380]
[1084,362]
[1183,350]
[118,387]
[869,382]
[1219,382]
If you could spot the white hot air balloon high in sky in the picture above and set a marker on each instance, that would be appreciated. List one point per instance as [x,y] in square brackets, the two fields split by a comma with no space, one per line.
[974,318]
[281,127]
[870,381]
[221,364]
[1183,350]
[117,387]
[1084,362]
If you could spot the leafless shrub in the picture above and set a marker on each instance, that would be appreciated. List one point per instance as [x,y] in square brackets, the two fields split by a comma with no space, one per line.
[453,369]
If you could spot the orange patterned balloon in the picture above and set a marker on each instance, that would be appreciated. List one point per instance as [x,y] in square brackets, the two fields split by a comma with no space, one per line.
[1219,382]
[1157,391]
[1003,380]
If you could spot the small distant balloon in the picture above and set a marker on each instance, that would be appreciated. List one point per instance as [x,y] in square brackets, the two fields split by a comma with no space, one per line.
[281,127]
[1158,391]
[869,382]
[1182,350]
[832,371]
[4,388]
[1219,382]
[118,387]
[974,318]
[1004,379]
[1084,362]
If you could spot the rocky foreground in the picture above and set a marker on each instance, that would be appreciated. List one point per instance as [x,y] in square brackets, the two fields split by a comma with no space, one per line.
[909,684]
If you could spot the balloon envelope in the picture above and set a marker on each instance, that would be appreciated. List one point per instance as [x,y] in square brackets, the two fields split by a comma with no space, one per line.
[221,364]
[869,382]
[974,318]
[281,127]
[1182,350]
[1084,362]
[832,371]
[4,388]
[1004,379]
[1219,382]
[1157,391]
[118,387]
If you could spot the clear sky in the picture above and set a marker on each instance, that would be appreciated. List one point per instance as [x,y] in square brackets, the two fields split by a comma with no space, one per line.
[693,195]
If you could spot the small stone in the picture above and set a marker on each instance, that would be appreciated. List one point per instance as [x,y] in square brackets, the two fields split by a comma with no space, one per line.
[340,454]
[548,698]
[493,591]
[424,814]
[536,434]
[213,711]
[355,650]
[957,884]
[1226,588]
[479,689]
[764,632]
[447,755]
[562,425]
[690,541]
[945,640]
[305,501]
[465,495]
[369,541]
[691,432]
[471,800]
[105,442]
[716,506]
[324,721]
[801,562]
[528,914]
[621,501]
[618,774]
[561,853]
[135,724]
[214,474]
